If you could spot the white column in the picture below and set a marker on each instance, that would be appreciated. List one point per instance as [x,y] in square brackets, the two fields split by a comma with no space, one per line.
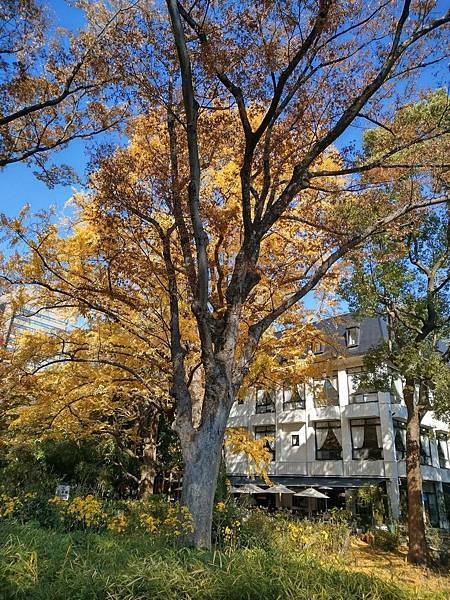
[389,456]
[347,455]
[310,454]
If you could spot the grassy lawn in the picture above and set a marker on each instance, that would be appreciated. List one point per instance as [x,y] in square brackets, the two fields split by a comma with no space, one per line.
[37,563]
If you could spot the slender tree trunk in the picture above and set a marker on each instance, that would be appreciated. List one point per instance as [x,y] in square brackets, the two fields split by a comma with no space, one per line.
[417,549]
[148,458]
[201,455]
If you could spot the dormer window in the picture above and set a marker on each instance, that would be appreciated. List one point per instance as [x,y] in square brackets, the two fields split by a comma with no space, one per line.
[352,337]
[318,347]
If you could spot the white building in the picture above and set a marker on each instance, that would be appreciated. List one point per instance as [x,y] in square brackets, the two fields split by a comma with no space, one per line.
[331,433]
[13,322]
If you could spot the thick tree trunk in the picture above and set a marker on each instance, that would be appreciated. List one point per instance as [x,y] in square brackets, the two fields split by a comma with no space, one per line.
[202,454]
[148,458]
[417,549]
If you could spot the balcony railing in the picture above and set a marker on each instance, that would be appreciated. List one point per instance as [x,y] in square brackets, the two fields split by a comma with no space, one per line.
[367,453]
[363,398]
[333,454]
[265,408]
[294,404]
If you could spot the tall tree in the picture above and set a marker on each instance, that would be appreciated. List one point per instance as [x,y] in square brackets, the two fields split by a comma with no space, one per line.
[258,94]
[407,281]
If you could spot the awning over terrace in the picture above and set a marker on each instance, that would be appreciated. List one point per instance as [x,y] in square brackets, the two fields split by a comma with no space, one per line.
[296,481]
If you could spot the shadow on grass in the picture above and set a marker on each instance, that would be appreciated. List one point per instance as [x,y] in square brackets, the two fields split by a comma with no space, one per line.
[38,564]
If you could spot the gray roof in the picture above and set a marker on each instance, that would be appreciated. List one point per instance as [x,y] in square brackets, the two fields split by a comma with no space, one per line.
[372,332]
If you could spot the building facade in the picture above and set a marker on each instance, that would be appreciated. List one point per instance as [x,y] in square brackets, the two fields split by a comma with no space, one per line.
[13,322]
[335,433]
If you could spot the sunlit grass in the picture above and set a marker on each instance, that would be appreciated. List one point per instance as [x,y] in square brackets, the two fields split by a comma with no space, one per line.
[41,564]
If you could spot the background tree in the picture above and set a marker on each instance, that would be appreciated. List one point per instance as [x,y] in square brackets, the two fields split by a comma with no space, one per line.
[89,381]
[260,95]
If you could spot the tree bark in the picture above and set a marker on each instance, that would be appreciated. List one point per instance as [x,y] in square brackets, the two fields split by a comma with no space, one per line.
[148,458]
[201,456]
[417,548]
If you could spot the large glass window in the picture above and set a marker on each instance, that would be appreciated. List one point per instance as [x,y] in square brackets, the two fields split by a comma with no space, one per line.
[400,439]
[366,439]
[294,398]
[262,431]
[443,442]
[359,390]
[425,446]
[430,503]
[265,401]
[328,440]
[325,390]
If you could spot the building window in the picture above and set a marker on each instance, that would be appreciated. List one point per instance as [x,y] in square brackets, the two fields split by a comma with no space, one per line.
[430,503]
[366,439]
[328,440]
[425,446]
[443,443]
[262,431]
[400,439]
[359,389]
[265,401]
[295,439]
[294,398]
[325,391]
[318,347]
[352,337]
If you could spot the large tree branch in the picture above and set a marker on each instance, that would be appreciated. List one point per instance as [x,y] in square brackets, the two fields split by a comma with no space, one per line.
[300,172]
[257,329]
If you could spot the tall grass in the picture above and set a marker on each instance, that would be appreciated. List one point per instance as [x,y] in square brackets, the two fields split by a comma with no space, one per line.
[41,564]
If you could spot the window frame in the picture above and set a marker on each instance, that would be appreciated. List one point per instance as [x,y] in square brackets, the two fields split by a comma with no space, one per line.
[262,408]
[263,430]
[426,458]
[442,436]
[318,347]
[352,395]
[321,382]
[300,405]
[295,440]
[332,454]
[365,453]
[399,426]
[347,334]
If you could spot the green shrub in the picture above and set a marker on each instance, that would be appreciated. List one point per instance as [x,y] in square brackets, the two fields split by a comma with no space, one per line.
[384,540]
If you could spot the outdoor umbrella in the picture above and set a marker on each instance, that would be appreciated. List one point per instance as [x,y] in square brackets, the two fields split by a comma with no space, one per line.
[312,493]
[279,489]
[249,488]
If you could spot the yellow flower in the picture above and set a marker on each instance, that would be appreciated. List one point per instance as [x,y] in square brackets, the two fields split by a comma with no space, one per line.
[149,523]
[118,524]
[220,506]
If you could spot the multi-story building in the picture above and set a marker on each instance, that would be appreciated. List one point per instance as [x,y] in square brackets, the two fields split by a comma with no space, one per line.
[29,318]
[337,435]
